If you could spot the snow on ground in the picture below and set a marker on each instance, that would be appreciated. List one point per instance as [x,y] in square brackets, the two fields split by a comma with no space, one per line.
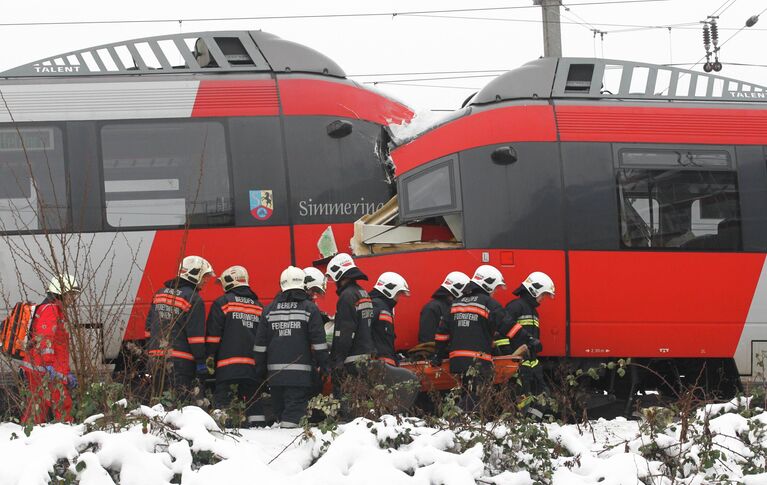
[187,446]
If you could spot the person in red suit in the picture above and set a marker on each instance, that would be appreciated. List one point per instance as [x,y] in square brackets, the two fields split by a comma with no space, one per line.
[46,363]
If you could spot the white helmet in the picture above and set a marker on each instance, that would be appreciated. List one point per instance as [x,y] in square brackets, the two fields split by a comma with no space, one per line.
[455,283]
[63,283]
[292,279]
[233,276]
[340,264]
[488,278]
[390,284]
[538,283]
[193,268]
[315,279]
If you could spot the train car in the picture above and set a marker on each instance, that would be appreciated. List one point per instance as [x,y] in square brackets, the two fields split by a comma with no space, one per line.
[645,202]
[117,160]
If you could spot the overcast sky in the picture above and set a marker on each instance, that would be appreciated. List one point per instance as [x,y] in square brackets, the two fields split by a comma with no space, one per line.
[479,40]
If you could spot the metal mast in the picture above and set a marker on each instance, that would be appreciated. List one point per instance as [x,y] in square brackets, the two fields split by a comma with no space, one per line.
[552,34]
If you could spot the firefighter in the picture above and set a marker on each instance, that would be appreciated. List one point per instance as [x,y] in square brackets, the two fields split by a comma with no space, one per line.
[288,342]
[315,283]
[438,307]
[46,362]
[522,334]
[467,333]
[175,327]
[352,341]
[231,334]
[387,291]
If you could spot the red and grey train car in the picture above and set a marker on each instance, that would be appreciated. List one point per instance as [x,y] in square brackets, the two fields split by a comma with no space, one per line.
[237,146]
[647,205]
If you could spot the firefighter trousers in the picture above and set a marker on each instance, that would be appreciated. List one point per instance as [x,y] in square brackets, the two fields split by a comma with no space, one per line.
[473,382]
[48,397]
[176,375]
[245,390]
[532,379]
[289,403]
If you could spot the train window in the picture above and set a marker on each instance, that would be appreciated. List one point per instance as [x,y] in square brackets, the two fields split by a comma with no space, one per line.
[431,191]
[33,189]
[672,158]
[682,209]
[166,174]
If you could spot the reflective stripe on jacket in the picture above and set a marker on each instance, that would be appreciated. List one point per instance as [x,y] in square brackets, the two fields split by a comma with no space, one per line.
[382,330]
[292,337]
[352,337]
[176,323]
[466,336]
[231,333]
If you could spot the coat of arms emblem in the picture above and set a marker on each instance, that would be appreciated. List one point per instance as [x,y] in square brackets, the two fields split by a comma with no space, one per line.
[261,204]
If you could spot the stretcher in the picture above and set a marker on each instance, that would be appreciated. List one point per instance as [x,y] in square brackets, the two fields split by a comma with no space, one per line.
[440,379]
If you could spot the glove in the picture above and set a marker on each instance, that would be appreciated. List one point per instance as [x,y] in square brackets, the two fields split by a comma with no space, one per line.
[210,364]
[535,345]
[325,373]
[71,381]
[436,361]
[51,372]
[202,370]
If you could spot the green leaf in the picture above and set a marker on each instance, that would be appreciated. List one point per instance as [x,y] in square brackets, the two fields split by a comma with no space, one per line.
[81,465]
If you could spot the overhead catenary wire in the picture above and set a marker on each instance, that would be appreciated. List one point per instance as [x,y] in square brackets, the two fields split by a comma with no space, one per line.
[727,7]
[628,27]
[305,16]
[723,7]
[443,78]
[739,64]
[727,40]
[414,85]
[426,73]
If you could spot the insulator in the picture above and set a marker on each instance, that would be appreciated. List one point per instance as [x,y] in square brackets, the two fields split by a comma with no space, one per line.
[714,33]
[706,37]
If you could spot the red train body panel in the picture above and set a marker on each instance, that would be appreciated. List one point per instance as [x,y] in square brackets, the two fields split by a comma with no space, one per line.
[544,170]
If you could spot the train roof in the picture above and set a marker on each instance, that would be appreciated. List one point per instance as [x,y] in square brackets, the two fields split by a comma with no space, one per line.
[552,78]
[200,52]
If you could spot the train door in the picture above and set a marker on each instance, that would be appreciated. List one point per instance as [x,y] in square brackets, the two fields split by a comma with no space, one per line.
[656,261]
[752,176]
[261,241]
[335,178]
[512,207]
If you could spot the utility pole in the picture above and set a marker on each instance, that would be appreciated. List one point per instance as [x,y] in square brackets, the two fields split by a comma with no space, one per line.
[552,34]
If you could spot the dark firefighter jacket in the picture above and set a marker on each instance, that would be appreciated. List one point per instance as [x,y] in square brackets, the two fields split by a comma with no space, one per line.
[523,327]
[175,325]
[351,337]
[468,331]
[382,329]
[290,329]
[232,323]
[435,310]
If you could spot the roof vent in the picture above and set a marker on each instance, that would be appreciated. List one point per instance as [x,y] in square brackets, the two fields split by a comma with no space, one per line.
[579,78]
[234,51]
